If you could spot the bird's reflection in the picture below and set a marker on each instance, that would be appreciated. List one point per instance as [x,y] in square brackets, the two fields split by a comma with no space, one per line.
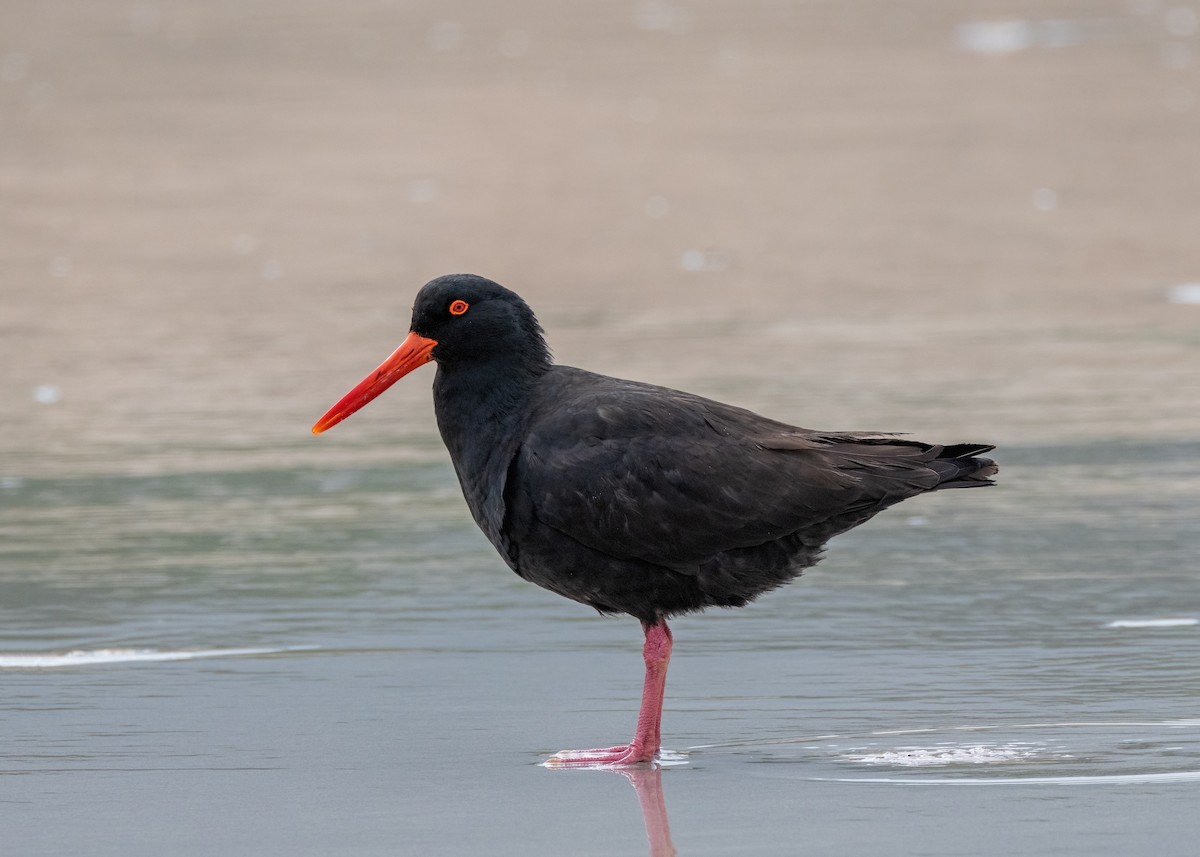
[647,782]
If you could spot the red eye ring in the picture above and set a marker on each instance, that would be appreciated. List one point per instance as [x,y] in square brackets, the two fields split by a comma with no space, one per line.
[458,307]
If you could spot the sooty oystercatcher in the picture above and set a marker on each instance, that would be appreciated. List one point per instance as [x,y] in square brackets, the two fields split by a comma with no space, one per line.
[633,498]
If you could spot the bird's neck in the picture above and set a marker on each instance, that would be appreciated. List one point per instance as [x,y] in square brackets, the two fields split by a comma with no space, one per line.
[481,410]
[483,415]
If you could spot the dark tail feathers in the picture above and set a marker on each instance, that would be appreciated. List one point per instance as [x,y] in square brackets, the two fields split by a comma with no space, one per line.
[958,465]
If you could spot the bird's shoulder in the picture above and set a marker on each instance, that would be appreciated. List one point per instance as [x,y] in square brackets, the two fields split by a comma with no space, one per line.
[574,405]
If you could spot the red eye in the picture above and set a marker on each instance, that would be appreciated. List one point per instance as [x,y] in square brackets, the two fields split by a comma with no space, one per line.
[458,307]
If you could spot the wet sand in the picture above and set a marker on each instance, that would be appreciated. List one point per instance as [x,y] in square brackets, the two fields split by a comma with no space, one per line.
[217,214]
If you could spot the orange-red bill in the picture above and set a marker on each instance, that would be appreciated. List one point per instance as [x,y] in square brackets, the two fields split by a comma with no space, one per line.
[414,351]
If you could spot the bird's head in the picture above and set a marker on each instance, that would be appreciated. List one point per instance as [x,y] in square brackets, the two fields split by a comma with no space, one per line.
[457,320]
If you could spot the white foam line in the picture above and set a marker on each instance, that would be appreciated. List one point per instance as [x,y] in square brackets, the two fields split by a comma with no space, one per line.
[1095,779]
[1153,623]
[91,657]
[922,757]
[927,730]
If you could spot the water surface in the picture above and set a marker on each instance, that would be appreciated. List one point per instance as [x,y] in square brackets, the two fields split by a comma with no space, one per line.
[305,661]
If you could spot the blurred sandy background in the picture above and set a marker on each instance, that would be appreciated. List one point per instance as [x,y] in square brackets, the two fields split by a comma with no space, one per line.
[966,220]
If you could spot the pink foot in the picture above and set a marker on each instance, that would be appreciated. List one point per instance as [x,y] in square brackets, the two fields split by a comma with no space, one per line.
[644,746]
[602,757]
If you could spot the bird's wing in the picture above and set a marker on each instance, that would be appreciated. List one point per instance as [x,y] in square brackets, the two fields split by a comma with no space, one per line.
[642,472]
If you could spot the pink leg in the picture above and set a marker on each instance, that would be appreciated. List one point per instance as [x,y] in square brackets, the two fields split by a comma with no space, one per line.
[647,737]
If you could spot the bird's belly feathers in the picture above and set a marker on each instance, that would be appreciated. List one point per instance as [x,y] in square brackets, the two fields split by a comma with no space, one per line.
[646,590]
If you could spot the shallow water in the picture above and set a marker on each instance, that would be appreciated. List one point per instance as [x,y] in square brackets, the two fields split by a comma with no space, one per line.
[305,661]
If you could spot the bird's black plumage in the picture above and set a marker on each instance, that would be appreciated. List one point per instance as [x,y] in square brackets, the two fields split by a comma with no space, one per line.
[639,499]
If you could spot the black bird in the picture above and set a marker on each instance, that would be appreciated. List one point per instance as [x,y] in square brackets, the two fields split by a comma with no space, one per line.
[633,498]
